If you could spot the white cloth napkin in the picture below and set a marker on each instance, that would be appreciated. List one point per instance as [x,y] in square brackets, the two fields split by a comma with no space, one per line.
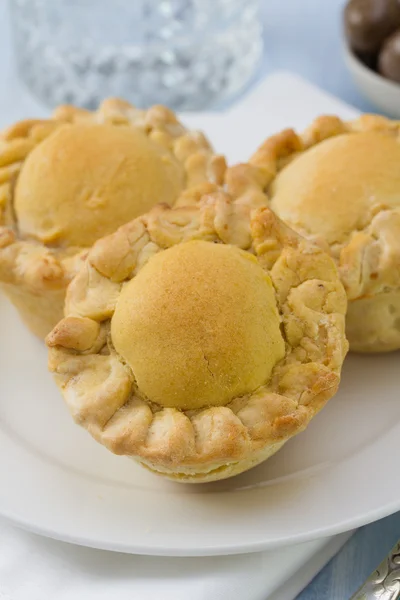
[35,568]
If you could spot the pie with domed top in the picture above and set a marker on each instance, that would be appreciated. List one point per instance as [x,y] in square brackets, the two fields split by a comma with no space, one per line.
[67,181]
[199,339]
[338,184]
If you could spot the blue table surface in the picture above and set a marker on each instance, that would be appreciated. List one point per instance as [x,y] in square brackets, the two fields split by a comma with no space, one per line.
[305,37]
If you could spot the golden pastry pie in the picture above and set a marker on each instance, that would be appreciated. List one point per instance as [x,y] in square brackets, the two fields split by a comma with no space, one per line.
[199,339]
[67,181]
[339,184]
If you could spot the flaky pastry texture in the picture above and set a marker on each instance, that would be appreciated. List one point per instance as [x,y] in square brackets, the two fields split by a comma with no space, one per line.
[367,253]
[35,275]
[213,442]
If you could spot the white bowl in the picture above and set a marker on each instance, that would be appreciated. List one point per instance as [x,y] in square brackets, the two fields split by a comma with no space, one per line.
[382,92]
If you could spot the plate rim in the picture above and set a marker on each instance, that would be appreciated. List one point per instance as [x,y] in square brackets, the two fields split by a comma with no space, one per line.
[194,552]
[215,549]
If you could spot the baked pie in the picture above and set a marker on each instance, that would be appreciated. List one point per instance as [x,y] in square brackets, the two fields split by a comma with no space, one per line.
[199,339]
[339,185]
[67,181]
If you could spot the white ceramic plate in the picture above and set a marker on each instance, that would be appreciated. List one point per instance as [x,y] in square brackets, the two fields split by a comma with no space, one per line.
[340,473]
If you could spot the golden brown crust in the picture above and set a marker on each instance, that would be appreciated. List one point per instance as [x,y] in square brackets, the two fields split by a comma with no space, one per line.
[35,270]
[161,125]
[364,240]
[227,347]
[35,279]
[215,442]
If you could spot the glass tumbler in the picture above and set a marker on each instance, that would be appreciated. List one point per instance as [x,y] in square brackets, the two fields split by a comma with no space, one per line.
[187,54]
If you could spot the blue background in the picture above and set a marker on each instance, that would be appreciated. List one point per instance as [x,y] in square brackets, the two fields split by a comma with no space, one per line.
[305,36]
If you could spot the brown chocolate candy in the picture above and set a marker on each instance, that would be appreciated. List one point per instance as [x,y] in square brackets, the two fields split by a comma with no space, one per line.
[389,57]
[368,22]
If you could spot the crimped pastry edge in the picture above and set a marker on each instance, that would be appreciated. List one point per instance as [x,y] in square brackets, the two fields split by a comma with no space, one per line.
[192,445]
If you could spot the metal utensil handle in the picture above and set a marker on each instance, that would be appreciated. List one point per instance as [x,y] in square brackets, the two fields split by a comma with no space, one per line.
[384,583]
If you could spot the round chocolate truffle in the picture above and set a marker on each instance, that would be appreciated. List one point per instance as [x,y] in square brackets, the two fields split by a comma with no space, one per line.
[368,22]
[389,57]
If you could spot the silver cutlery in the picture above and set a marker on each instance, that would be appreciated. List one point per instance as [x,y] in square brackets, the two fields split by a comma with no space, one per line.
[384,583]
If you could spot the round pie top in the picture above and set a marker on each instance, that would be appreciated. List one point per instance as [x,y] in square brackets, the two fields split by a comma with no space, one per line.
[336,187]
[198,326]
[85,180]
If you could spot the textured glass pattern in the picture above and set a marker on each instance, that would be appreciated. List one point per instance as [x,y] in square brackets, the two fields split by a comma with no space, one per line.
[188,54]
